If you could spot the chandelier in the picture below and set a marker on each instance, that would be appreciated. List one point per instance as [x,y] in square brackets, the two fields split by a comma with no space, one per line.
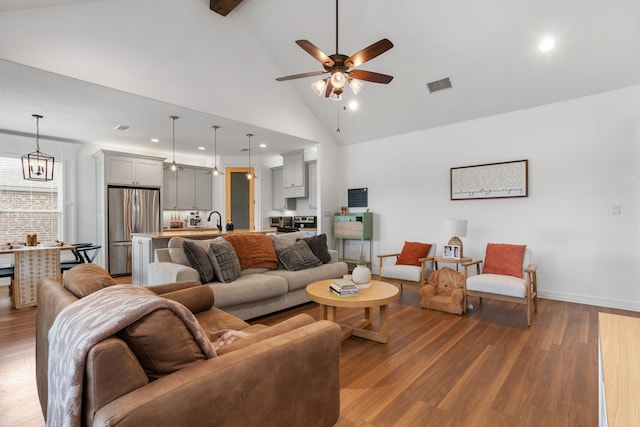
[37,166]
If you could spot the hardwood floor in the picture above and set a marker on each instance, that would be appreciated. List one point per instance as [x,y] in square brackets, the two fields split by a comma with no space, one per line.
[485,368]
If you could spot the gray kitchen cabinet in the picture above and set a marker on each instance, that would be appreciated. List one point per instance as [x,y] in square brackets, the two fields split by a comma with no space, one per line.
[169,195]
[278,200]
[188,188]
[124,169]
[312,169]
[204,189]
[294,174]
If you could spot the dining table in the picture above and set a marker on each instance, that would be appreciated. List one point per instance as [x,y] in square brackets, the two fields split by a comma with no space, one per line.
[30,264]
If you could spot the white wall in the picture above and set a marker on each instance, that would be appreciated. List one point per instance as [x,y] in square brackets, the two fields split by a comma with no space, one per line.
[583,158]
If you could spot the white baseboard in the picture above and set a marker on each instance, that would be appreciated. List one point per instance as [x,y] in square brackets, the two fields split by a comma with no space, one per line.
[582,299]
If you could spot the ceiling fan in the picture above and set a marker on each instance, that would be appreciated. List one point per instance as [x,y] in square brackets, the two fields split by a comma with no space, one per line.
[340,67]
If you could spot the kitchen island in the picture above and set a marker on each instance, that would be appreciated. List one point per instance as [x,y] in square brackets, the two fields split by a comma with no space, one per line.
[145,244]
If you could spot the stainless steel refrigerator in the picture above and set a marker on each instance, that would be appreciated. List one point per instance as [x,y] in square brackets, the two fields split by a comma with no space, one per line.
[131,210]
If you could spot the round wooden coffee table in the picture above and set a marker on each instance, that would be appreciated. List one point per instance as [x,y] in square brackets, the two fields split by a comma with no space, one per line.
[380,294]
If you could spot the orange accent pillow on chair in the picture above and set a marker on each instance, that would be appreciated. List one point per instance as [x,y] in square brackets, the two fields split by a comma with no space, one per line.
[412,252]
[501,258]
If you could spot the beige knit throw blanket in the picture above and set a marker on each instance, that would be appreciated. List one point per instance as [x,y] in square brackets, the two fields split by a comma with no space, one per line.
[86,322]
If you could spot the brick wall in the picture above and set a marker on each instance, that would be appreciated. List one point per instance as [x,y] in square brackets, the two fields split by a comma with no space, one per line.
[27,207]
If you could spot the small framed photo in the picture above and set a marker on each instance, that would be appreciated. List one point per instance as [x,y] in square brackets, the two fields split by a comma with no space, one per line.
[451,251]
[344,210]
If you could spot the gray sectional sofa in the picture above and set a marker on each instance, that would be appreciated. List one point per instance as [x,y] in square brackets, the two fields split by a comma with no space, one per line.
[257,291]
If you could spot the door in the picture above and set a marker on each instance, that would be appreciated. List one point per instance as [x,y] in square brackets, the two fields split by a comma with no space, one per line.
[240,199]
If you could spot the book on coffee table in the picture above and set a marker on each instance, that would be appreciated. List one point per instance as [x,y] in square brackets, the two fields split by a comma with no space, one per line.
[347,293]
[344,283]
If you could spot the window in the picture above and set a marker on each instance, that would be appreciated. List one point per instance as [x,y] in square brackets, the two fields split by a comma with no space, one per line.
[29,207]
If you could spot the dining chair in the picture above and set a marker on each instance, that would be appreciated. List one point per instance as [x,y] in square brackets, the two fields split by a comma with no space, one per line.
[83,253]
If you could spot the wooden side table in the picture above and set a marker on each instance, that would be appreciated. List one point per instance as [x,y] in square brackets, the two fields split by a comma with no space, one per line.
[455,261]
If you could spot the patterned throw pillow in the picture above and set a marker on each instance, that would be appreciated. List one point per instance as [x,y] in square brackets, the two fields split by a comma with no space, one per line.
[224,260]
[298,257]
[412,252]
[501,258]
[199,259]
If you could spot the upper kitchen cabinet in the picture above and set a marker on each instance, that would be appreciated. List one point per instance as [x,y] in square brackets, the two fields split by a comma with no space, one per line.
[194,188]
[312,169]
[277,191]
[169,194]
[295,174]
[131,169]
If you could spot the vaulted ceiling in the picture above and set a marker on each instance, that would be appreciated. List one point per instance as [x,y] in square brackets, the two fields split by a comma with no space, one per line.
[183,54]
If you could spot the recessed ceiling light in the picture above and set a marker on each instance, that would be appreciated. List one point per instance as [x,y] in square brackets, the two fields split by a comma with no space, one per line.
[201,148]
[546,44]
[263,145]
[353,105]
[155,140]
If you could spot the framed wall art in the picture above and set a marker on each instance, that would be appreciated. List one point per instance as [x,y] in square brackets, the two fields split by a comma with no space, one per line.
[490,181]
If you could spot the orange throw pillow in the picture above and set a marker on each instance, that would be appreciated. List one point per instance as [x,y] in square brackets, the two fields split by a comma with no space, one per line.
[502,258]
[254,250]
[412,252]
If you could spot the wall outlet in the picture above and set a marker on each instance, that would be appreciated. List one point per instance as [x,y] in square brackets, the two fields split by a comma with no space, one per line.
[615,209]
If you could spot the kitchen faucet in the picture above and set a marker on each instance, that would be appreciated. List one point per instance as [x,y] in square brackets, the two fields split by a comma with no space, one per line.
[219,224]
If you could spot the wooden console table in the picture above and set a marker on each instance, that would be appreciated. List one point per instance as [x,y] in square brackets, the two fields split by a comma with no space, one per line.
[32,263]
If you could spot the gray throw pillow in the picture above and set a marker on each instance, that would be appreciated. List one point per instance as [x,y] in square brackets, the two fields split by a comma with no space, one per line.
[199,259]
[318,245]
[224,260]
[298,256]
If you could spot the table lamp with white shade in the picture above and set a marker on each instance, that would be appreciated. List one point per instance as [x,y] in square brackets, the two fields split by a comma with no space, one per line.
[456,228]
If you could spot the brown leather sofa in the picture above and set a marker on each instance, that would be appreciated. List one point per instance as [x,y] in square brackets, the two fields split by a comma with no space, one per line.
[283,375]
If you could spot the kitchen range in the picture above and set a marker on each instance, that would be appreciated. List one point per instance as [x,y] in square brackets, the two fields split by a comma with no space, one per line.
[289,224]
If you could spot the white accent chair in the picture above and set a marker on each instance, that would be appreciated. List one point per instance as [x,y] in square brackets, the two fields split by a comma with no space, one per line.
[407,273]
[522,290]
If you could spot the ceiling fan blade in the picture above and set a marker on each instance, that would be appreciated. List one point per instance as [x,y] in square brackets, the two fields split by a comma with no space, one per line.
[368,53]
[327,92]
[370,76]
[314,51]
[299,76]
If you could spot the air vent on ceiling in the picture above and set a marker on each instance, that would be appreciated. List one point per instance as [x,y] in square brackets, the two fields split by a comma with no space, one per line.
[439,85]
[122,127]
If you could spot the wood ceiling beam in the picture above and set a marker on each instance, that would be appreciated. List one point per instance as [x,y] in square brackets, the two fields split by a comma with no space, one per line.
[223,7]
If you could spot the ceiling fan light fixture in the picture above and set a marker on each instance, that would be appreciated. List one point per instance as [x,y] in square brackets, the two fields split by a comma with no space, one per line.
[336,94]
[319,86]
[337,79]
[356,85]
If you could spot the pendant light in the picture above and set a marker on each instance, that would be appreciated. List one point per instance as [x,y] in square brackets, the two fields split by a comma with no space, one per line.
[215,170]
[37,166]
[174,166]
[249,175]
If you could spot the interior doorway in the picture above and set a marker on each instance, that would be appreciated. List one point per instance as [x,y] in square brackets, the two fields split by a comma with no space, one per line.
[240,200]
